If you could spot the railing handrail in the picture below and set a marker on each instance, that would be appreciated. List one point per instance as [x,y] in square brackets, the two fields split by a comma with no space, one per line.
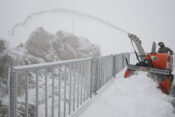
[46,65]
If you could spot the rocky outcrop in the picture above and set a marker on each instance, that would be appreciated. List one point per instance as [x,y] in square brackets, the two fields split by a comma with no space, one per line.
[39,43]
[61,46]
[40,47]
[3,45]
[43,46]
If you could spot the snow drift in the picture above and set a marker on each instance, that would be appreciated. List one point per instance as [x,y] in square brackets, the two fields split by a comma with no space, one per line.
[137,96]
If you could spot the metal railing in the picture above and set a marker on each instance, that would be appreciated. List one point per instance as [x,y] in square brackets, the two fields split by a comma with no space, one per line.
[59,88]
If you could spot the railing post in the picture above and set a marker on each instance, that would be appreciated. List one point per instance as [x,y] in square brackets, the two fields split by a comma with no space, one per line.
[114,65]
[59,91]
[123,61]
[53,82]
[129,57]
[46,90]
[13,94]
[94,75]
[37,95]
[126,56]
[26,94]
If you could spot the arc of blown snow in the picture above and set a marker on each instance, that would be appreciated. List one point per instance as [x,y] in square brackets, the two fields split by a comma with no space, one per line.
[29,17]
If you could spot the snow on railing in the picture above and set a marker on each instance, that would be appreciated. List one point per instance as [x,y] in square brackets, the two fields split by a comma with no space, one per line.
[59,88]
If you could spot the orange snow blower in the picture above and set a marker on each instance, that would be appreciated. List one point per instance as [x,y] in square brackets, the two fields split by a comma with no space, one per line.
[158,65]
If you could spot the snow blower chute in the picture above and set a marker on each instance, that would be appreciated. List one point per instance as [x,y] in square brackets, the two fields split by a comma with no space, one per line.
[158,65]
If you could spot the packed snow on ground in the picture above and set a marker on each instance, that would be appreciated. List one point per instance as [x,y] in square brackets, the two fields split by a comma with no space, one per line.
[133,97]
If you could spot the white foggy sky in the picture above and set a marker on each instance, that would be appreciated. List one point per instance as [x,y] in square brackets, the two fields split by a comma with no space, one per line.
[151,20]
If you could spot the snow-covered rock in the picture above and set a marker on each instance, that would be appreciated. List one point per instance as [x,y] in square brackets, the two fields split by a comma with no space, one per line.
[61,46]
[40,47]
[43,46]
[3,45]
[39,43]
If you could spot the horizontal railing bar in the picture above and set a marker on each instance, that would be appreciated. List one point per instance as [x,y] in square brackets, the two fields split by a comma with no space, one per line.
[47,65]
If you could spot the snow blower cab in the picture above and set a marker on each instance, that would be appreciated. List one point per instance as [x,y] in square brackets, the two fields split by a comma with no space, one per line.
[158,65]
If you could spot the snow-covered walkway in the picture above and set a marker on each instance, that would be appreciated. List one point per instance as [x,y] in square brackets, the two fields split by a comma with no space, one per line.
[133,97]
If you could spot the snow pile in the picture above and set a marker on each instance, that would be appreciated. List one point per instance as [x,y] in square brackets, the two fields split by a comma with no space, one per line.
[133,97]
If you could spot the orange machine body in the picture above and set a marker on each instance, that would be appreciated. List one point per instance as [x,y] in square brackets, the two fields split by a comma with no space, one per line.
[161,60]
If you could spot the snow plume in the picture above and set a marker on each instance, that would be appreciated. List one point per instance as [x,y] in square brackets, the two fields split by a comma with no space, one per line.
[137,96]
[66,11]
[98,31]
